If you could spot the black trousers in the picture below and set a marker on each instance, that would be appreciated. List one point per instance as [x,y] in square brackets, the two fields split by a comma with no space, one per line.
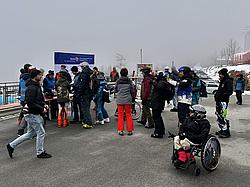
[239,96]
[183,111]
[158,121]
[54,109]
[77,107]
[85,106]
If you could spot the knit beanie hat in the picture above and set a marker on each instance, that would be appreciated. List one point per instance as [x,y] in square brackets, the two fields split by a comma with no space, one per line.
[34,73]
[223,71]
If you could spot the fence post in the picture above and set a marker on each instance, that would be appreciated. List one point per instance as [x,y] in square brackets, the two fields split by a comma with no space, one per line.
[5,97]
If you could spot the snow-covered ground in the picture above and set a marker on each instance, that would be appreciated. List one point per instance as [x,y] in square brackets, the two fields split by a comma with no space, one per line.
[212,71]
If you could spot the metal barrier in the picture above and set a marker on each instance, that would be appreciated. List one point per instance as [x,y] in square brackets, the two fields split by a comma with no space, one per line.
[9,92]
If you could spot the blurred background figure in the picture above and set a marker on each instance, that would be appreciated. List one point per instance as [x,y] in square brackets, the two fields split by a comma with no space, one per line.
[114,75]
[175,77]
[239,88]
[166,72]
[196,87]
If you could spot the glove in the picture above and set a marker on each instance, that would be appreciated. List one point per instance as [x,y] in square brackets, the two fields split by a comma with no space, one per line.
[182,136]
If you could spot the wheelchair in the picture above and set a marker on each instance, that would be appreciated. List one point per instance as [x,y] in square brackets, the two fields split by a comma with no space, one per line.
[209,152]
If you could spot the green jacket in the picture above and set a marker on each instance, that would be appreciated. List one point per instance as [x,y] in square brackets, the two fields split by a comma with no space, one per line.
[62,88]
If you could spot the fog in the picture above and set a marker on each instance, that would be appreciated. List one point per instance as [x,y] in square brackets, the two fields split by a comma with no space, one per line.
[186,32]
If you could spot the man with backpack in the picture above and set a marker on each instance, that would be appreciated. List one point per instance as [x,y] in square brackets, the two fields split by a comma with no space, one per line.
[86,94]
[146,93]
[221,97]
[36,108]
[161,92]
[24,77]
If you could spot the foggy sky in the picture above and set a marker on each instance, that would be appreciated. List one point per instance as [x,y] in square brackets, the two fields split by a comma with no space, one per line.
[186,31]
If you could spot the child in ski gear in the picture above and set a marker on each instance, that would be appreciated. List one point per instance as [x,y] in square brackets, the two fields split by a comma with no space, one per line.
[222,99]
[124,90]
[62,88]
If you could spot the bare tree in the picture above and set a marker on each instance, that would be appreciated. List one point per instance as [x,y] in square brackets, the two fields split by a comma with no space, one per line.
[231,49]
[120,60]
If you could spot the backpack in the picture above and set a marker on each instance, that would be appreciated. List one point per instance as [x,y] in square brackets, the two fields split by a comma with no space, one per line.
[203,90]
[171,92]
[168,90]
[106,95]
[134,91]
[94,85]
[22,89]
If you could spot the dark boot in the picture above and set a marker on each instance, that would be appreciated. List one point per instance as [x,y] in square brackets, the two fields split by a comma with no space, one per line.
[225,134]
[44,155]
[149,126]
[10,150]
[155,135]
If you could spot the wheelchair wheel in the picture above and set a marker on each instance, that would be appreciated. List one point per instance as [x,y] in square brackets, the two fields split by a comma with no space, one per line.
[197,171]
[136,110]
[210,153]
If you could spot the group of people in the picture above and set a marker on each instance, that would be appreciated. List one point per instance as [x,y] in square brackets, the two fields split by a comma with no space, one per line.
[185,92]
[182,87]
[35,93]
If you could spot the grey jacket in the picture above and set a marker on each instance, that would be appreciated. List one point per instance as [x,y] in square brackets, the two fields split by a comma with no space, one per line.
[124,90]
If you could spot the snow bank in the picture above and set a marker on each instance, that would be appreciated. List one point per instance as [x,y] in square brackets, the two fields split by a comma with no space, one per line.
[212,71]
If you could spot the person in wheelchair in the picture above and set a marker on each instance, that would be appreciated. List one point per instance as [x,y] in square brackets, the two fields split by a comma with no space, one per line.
[194,130]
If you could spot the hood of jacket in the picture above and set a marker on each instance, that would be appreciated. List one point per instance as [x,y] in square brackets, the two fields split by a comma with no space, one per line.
[25,76]
[87,70]
[31,82]
[123,80]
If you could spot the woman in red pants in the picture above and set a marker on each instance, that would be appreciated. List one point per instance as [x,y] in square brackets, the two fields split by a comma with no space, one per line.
[124,90]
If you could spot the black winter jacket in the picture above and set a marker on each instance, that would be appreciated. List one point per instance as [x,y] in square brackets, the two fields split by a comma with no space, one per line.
[195,130]
[84,81]
[157,98]
[34,97]
[225,90]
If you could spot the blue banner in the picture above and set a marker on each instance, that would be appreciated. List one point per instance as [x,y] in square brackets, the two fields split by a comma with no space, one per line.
[73,58]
